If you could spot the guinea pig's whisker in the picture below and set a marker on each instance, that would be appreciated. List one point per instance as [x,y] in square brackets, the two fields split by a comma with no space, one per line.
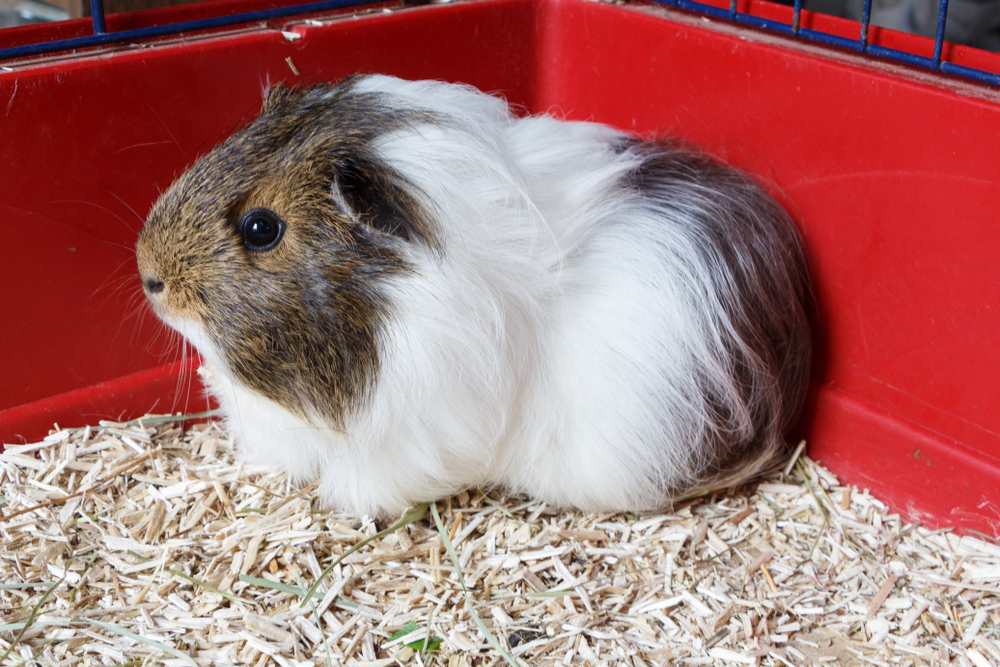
[122,280]
[170,339]
[184,380]
[132,210]
[129,249]
[167,128]
[136,310]
[132,231]
[142,145]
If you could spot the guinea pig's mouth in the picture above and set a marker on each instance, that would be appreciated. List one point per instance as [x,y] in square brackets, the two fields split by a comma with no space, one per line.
[167,303]
[193,332]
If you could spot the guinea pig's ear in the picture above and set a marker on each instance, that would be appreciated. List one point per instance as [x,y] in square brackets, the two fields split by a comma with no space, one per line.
[276,94]
[370,194]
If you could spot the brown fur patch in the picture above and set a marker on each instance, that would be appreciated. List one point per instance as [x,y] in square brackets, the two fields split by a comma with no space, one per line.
[298,323]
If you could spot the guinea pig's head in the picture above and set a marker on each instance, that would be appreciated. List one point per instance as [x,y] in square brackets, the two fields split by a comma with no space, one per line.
[270,253]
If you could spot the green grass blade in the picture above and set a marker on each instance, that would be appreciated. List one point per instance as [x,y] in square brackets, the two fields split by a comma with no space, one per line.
[429,643]
[158,419]
[552,593]
[411,515]
[38,653]
[319,624]
[139,638]
[409,628]
[450,549]
[34,614]
[503,510]
[197,582]
[273,585]
[819,506]
[424,645]
[42,623]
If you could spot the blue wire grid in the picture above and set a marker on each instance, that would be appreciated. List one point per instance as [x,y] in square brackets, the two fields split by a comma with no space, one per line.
[861,44]
[102,37]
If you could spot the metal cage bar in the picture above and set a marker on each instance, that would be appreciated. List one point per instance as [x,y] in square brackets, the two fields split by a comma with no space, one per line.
[939,34]
[102,37]
[175,28]
[861,44]
[866,20]
[97,14]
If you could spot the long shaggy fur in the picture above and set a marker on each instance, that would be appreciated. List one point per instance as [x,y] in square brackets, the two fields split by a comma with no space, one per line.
[465,298]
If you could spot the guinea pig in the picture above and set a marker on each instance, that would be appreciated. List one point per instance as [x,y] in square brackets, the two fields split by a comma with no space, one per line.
[403,290]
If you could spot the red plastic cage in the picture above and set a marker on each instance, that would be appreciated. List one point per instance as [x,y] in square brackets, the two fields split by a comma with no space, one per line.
[890,171]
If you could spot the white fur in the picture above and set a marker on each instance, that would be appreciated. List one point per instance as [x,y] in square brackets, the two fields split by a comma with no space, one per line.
[550,344]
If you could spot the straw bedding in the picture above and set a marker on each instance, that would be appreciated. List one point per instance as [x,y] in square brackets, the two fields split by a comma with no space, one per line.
[143,544]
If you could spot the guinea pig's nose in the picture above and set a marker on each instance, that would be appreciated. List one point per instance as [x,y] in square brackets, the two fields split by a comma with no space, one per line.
[153,285]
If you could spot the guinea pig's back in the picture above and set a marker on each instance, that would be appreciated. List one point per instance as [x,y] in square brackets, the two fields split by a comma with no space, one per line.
[603,313]
[642,373]
[598,406]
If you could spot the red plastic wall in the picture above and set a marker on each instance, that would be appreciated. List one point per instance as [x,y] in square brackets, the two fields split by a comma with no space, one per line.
[891,174]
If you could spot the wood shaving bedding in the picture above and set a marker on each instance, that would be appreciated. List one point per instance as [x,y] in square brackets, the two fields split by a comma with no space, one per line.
[142,544]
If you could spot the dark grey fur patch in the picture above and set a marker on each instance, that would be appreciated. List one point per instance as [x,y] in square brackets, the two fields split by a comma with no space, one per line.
[758,271]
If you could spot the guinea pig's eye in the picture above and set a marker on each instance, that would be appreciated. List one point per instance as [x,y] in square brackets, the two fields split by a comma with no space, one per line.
[261,229]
